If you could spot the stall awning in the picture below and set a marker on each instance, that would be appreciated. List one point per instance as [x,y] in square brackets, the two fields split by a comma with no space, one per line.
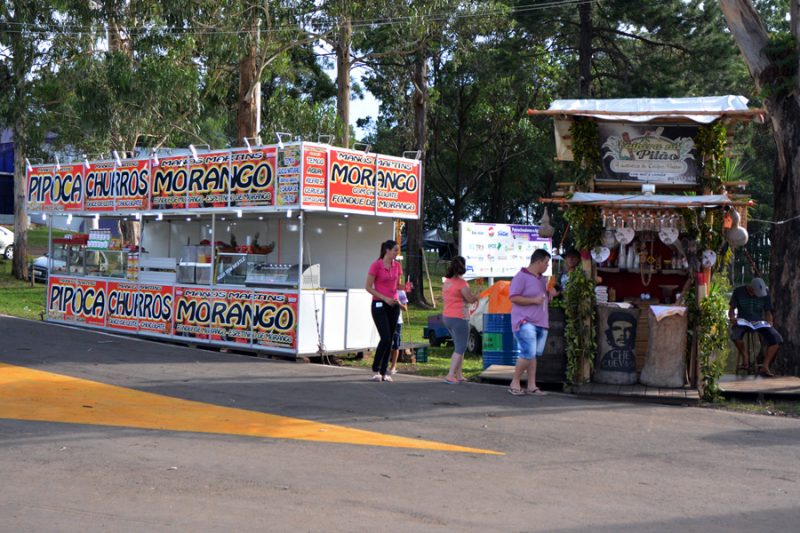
[704,110]
[649,200]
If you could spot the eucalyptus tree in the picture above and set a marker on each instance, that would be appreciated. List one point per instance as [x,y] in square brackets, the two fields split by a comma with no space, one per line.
[486,153]
[397,50]
[772,55]
[646,49]
[26,32]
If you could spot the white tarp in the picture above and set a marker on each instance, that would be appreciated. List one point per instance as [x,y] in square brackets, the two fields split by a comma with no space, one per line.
[640,200]
[658,106]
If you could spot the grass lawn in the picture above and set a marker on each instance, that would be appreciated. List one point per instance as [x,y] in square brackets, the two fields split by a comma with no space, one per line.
[37,237]
[18,298]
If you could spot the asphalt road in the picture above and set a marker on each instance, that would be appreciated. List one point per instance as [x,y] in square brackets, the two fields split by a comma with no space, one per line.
[565,464]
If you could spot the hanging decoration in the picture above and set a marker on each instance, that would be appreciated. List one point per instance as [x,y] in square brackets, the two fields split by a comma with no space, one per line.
[545,228]
[737,236]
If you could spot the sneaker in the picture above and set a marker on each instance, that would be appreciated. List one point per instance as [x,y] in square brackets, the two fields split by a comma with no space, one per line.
[387,378]
[376,377]
[394,371]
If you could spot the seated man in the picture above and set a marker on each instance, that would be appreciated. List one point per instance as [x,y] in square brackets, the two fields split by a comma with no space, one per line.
[752,303]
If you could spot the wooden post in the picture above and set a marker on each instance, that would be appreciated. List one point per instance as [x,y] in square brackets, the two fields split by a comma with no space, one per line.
[428,275]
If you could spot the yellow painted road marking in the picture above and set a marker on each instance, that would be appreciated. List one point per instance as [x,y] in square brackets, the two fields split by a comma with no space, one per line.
[27,394]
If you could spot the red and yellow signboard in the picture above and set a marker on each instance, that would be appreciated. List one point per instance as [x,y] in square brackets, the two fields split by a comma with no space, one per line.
[192,312]
[232,316]
[169,183]
[398,187]
[253,176]
[134,307]
[77,300]
[121,310]
[131,181]
[52,188]
[100,186]
[38,179]
[275,319]
[315,166]
[208,180]
[351,181]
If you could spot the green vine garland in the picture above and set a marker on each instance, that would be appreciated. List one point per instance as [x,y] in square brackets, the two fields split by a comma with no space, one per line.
[586,151]
[579,330]
[710,143]
[713,337]
[586,224]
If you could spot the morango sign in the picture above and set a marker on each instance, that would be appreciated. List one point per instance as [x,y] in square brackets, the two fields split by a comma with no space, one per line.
[259,317]
[310,175]
[369,183]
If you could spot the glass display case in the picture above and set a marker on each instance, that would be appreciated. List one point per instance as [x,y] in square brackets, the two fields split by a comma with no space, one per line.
[194,266]
[259,272]
[81,261]
[232,268]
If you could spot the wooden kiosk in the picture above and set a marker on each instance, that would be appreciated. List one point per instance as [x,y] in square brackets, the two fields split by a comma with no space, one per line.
[262,248]
[654,216]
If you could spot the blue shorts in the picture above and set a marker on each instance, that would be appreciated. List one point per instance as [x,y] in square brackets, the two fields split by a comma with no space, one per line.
[396,339]
[530,340]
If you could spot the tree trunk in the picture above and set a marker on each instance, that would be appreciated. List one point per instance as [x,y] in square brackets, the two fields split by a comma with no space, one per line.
[343,77]
[585,50]
[247,120]
[784,265]
[415,228]
[19,265]
[783,107]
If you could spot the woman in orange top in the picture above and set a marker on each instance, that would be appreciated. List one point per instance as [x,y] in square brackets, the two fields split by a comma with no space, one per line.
[457,295]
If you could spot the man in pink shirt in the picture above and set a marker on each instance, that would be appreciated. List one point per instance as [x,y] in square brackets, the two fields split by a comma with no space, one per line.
[529,320]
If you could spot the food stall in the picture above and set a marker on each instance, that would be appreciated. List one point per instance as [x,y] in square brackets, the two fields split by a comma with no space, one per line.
[262,248]
[655,216]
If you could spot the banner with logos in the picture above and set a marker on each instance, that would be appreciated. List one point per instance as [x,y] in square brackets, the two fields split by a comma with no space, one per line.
[499,250]
[658,153]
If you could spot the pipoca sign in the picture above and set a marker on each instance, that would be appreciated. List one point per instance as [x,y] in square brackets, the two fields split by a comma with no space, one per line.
[55,188]
[653,153]
[313,175]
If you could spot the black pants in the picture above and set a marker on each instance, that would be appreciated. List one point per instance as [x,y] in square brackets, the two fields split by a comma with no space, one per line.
[385,318]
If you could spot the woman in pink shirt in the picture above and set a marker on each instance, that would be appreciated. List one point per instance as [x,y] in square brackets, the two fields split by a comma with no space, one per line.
[457,294]
[383,280]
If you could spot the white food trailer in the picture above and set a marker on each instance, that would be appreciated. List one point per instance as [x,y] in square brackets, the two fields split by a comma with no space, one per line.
[264,248]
